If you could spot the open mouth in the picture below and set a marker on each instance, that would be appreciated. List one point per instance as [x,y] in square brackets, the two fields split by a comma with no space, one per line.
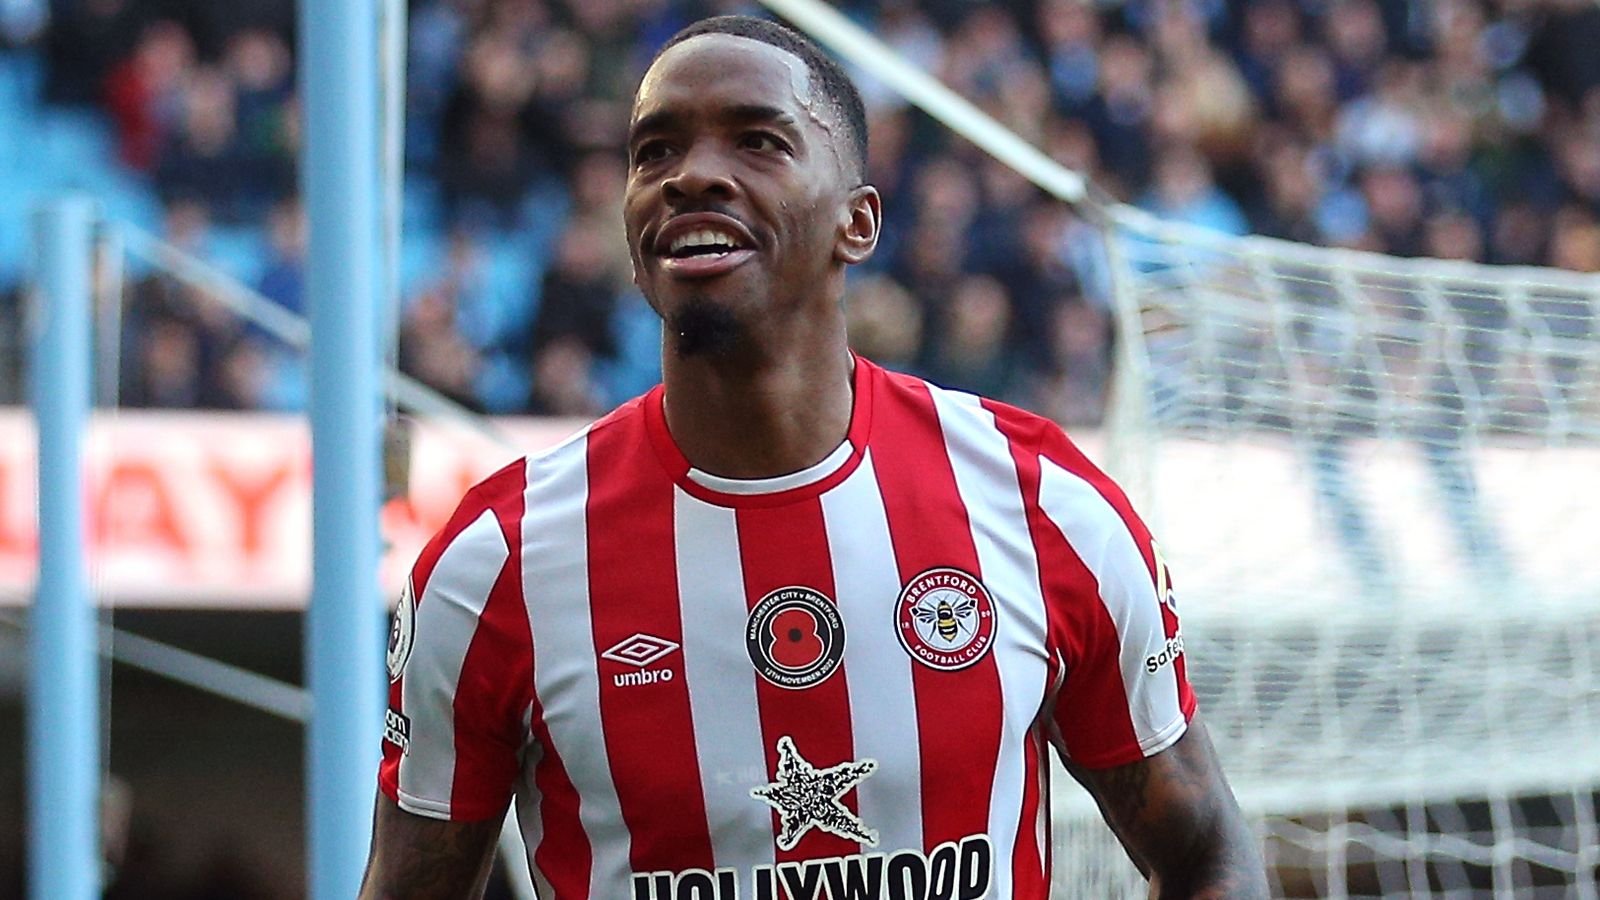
[704,242]
[700,249]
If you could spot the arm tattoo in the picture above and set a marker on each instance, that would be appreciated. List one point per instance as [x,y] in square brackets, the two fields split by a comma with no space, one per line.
[418,858]
[1177,818]
[1126,789]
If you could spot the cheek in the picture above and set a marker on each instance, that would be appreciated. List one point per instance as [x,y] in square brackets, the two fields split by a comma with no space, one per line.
[812,221]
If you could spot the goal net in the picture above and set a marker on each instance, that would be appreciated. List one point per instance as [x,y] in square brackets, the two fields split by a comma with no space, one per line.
[1378,483]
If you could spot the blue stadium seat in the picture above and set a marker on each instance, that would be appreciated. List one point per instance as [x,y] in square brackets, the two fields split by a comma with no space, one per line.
[422,258]
[239,250]
[71,141]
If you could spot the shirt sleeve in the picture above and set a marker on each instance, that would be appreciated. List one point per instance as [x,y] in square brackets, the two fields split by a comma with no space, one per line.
[1122,690]
[460,670]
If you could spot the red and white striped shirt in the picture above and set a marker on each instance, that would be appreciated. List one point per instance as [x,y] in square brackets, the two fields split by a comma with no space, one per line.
[838,683]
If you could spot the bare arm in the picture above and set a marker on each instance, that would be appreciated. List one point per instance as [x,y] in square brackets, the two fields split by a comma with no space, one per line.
[417,858]
[1179,822]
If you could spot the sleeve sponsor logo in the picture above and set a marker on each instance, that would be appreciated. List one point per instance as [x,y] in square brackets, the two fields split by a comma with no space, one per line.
[397,730]
[955,870]
[1169,653]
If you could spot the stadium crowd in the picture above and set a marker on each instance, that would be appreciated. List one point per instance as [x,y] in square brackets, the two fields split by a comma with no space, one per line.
[1450,128]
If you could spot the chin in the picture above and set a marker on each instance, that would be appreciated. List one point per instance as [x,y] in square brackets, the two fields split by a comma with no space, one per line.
[705,327]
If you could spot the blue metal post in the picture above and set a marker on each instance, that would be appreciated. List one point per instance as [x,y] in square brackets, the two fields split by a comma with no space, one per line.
[64,686]
[344,627]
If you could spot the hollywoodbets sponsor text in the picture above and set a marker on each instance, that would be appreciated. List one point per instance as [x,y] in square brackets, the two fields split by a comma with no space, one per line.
[953,871]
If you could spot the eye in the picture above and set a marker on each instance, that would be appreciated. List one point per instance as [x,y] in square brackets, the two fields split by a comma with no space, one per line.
[650,151]
[763,142]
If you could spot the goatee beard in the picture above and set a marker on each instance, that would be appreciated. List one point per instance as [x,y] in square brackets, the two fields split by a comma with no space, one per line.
[704,328]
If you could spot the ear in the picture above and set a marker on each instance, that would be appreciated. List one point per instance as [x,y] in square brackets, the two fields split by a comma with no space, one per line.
[859,235]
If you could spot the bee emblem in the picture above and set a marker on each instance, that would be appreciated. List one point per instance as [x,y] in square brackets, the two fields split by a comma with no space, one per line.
[949,620]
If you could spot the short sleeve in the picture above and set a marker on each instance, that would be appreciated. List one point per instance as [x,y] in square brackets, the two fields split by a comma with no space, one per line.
[460,669]
[1123,692]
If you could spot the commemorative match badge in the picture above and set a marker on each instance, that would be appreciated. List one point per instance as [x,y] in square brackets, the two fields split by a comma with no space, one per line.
[945,619]
[795,637]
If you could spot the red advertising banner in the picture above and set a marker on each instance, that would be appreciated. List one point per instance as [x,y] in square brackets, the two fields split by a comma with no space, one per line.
[214,509]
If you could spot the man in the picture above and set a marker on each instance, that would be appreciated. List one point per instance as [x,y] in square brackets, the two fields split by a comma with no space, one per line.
[791,625]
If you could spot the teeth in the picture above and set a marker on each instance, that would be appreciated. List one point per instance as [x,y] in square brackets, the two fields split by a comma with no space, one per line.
[704,237]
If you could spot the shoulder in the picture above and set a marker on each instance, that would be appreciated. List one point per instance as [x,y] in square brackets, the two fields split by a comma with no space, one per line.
[628,417]
[504,493]
[961,414]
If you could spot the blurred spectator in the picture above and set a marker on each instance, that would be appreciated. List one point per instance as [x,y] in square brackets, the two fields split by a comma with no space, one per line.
[1075,394]
[1570,321]
[1455,128]
[433,351]
[202,156]
[455,321]
[86,41]
[1305,94]
[1355,32]
[884,322]
[563,380]
[1070,33]
[488,152]
[1394,204]
[579,295]
[1562,49]
[283,281]
[1183,190]
[176,337]
[1272,28]
[1383,128]
[1518,238]
[1577,240]
[970,353]
[166,368]
[259,65]
[144,92]
[1120,112]
[1290,195]
[1039,282]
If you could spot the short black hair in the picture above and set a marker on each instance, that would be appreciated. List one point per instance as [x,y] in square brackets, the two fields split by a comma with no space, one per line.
[837,88]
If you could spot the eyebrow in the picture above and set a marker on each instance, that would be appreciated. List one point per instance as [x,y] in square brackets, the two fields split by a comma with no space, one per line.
[668,120]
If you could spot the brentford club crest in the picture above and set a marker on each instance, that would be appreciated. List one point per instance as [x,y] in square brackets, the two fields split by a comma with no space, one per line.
[795,637]
[945,619]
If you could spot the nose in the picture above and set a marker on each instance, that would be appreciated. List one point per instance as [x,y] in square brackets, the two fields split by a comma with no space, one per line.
[702,173]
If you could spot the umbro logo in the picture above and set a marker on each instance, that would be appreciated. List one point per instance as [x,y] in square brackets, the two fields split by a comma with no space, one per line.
[640,650]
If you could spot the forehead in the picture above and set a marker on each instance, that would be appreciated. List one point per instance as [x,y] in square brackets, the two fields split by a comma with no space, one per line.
[713,71]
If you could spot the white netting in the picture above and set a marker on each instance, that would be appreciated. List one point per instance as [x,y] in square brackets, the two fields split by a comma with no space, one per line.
[1378,483]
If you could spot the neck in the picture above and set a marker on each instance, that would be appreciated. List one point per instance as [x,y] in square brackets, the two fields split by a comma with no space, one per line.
[755,415]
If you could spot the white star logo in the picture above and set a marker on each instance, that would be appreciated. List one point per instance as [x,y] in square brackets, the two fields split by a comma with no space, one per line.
[807,797]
